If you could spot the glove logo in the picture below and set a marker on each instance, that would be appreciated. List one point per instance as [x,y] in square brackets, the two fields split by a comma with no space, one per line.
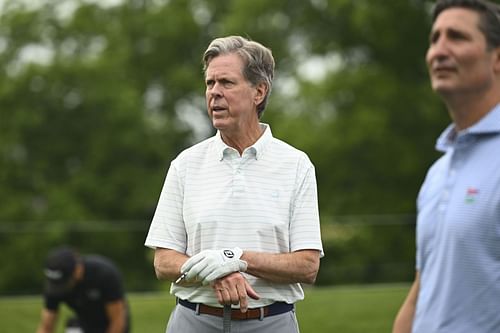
[229,253]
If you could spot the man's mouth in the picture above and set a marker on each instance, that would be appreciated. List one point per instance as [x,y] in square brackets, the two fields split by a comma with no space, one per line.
[437,69]
[217,108]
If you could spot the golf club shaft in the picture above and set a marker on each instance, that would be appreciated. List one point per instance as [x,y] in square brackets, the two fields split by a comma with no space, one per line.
[226,320]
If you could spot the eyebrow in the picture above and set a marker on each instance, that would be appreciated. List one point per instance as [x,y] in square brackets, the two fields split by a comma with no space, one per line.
[448,31]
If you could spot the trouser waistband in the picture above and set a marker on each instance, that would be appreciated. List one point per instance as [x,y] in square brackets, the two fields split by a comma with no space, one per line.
[257,313]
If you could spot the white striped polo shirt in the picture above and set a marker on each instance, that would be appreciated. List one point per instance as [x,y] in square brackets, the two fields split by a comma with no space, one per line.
[264,200]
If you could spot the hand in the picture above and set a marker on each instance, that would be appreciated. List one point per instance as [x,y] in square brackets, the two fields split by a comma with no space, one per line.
[209,265]
[234,289]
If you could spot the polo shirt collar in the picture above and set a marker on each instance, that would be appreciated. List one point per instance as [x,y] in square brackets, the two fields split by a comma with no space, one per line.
[489,124]
[257,149]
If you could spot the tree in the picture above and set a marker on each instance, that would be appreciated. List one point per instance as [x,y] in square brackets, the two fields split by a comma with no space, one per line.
[89,126]
[95,101]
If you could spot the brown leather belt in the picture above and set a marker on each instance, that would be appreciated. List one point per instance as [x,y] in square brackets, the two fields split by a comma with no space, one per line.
[257,313]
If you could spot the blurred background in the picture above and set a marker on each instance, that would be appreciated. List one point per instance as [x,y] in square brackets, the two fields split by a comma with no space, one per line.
[97,97]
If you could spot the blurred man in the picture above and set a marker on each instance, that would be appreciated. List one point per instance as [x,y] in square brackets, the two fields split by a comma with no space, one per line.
[91,286]
[238,213]
[457,285]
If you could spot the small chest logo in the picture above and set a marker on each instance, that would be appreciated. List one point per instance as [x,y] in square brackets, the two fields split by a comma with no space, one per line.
[471,195]
[93,294]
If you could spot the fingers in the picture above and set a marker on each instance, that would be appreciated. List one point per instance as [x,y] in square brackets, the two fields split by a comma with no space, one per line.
[227,296]
[226,268]
[234,289]
[196,270]
[250,291]
[192,261]
[242,297]
[209,265]
[193,266]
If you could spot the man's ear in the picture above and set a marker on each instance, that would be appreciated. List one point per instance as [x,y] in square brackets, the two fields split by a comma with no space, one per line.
[261,91]
[496,60]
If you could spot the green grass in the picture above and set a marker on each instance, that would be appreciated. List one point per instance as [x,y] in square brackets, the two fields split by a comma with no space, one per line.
[353,309]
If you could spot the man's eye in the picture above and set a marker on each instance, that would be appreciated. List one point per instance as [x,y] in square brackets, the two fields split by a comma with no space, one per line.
[433,38]
[456,35]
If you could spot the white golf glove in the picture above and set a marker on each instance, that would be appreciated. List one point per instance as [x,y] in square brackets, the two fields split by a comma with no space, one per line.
[209,265]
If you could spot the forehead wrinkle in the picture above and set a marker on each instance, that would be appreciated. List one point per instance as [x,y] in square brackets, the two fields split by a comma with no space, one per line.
[459,19]
[223,68]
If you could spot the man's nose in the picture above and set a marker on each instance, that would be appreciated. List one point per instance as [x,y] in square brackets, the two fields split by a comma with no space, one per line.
[438,50]
[216,90]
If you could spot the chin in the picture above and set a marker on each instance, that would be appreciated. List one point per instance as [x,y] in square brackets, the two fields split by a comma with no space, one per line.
[442,87]
[217,124]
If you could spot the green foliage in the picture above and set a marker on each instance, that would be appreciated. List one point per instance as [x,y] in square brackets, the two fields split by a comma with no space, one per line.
[95,101]
[370,123]
[368,249]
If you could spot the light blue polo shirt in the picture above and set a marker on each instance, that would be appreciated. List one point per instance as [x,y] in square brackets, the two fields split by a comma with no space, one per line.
[458,233]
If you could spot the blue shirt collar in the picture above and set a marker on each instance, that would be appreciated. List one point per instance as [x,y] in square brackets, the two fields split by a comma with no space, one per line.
[489,124]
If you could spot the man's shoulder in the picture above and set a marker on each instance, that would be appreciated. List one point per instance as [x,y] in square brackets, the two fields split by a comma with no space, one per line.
[197,149]
[282,149]
[195,154]
[99,267]
[98,260]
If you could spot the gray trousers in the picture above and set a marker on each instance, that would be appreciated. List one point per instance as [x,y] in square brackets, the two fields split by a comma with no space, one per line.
[184,320]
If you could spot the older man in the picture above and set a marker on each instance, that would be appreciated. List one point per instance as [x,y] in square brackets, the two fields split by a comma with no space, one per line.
[237,220]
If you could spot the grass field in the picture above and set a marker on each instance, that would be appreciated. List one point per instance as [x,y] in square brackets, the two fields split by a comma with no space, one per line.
[346,309]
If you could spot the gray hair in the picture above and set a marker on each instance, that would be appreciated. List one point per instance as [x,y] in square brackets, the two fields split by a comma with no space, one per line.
[489,13]
[258,61]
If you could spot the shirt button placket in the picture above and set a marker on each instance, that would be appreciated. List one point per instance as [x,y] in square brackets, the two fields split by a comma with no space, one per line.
[238,187]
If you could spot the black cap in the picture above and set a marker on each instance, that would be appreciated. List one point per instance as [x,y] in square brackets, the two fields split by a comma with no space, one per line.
[59,268]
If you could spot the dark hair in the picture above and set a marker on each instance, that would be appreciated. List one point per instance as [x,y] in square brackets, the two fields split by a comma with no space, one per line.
[489,16]
[258,60]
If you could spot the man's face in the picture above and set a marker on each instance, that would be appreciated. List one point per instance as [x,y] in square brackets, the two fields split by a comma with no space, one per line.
[231,100]
[457,58]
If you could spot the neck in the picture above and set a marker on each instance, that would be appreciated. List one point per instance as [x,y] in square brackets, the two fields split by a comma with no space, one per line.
[467,109]
[79,271]
[242,139]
